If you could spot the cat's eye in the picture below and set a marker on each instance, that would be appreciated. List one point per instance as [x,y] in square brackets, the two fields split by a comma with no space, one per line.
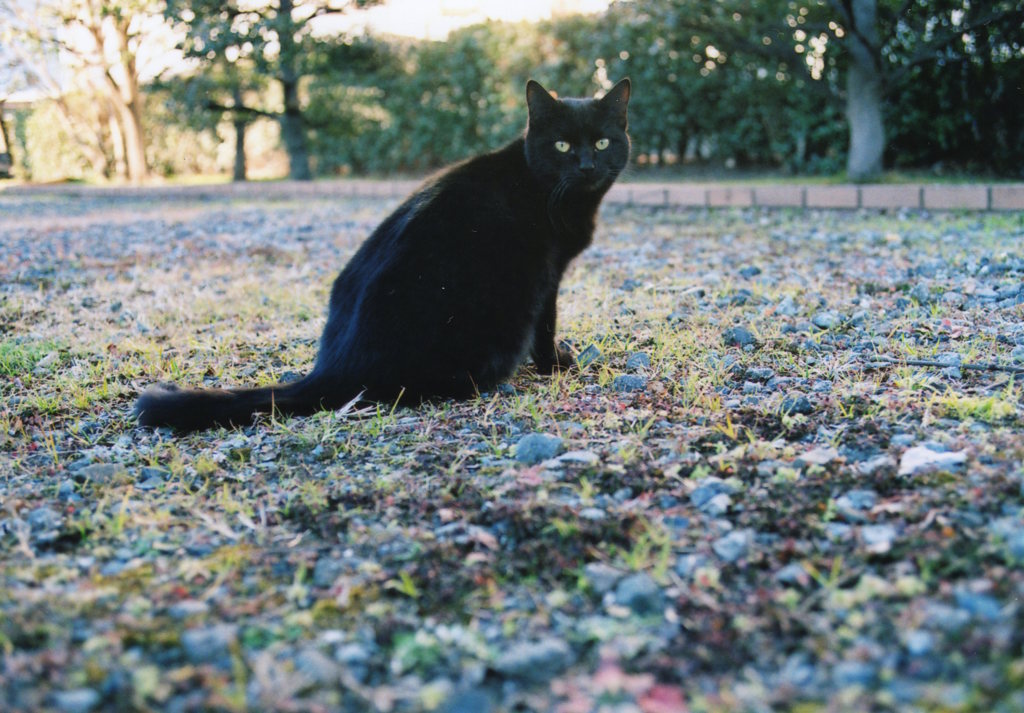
[562,146]
[602,144]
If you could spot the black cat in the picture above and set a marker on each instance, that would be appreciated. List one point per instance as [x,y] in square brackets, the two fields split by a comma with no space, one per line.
[456,287]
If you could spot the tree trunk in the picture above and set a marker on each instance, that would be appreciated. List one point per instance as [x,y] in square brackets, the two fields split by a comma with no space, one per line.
[864,94]
[293,133]
[127,102]
[240,124]
[293,129]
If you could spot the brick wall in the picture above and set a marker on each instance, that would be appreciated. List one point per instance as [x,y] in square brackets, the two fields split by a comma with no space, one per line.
[1008,196]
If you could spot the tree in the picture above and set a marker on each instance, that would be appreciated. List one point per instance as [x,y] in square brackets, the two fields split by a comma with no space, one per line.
[889,39]
[100,42]
[277,39]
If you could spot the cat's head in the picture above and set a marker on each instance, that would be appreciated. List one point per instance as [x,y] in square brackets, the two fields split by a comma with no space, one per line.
[577,143]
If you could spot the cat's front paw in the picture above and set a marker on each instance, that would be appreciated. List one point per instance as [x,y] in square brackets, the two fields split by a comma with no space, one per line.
[561,360]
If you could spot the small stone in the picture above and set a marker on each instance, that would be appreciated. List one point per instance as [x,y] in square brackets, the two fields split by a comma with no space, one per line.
[209,645]
[921,459]
[858,499]
[687,564]
[738,337]
[733,546]
[536,448]
[717,505]
[878,538]
[838,530]
[918,642]
[787,307]
[579,457]
[317,667]
[853,673]
[949,358]
[187,608]
[44,519]
[921,293]
[793,573]
[355,658]
[77,700]
[535,661]
[102,472]
[853,504]
[710,487]
[759,373]
[474,701]
[826,320]
[326,571]
[981,606]
[749,271]
[601,577]
[150,484]
[593,514]
[588,356]
[818,456]
[637,361]
[641,594]
[46,362]
[629,382]
[798,404]
[876,463]
[1017,354]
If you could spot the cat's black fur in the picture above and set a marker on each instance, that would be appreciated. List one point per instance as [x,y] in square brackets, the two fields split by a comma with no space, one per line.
[458,285]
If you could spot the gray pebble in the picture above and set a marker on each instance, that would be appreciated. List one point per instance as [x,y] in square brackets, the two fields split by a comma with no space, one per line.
[797,404]
[1017,354]
[474,701]
[710,487]
[534,661]
[793,573]
[878,538]
[981,606]
[588,356]
[629,382]
[101,472]
[759,373]
[77,700]
[826,320]
[640,593]
[536,448]
[43,519]
[738,337]
[317,667]
[687,564]
[733,546]
[787,307]
[326,571]
[853,673]
[209,645]
[601,577]
[355,658]
[921,293]
[918,642]
[853,504]
[186,608]
[638,360]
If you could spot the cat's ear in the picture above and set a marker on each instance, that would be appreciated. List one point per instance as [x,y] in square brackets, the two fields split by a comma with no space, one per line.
[617,99]
[538,99]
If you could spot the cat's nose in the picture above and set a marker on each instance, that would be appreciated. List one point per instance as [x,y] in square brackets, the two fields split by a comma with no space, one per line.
[586,166]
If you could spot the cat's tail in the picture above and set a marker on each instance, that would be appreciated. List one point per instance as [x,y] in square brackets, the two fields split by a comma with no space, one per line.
[198,409]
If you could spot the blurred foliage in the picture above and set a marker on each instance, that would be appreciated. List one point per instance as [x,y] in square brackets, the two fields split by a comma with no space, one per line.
[730,83]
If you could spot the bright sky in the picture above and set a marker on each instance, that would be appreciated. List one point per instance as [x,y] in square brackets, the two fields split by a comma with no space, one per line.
[436,18]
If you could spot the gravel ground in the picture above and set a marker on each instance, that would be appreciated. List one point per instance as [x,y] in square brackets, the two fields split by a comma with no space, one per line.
[788,475]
